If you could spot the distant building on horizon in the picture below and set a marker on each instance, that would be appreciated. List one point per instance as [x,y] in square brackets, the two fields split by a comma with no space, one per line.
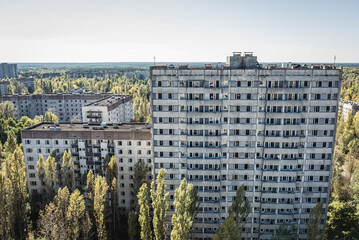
[8,70]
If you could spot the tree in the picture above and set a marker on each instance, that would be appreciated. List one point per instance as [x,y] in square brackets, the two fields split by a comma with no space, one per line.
[7,110]
[90,181]
[144,217]
[133,226]
[343,222]
[10,144]
[285,232]
[100,190]
[314,226]
[228,230]
[194,206]
[40,167]
[182,218]
[50,224]
[237,214]
[68,170]
[78,221]
[112,176]
[50,175]
[15,198]
[50,117]
[139,178]
[160,205]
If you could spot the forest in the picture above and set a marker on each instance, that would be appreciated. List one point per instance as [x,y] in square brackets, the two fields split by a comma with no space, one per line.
[89,211]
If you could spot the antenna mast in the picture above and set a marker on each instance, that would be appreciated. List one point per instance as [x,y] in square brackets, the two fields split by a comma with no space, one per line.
[154,60]
[335,58]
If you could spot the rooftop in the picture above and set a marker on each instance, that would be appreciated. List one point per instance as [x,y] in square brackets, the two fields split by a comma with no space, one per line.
[108,101]
[87,127]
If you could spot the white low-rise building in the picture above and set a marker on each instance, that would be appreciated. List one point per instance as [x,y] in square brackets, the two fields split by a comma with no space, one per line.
[113,109]
[89,145]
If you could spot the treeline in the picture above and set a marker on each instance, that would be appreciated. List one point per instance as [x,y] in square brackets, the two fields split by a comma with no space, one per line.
[350,84]
[9,122]
[343,211]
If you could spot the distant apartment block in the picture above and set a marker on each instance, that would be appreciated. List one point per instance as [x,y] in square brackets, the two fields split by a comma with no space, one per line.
[267,128]
[26,82]
[8,70]
[89,145]
[113,109]
[68,107]
[349,107]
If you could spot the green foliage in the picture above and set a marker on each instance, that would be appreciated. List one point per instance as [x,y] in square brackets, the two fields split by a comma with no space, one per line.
[14,199]
[7,110]
[78,221]
[65,217]
[232,226]
[50,175]
[144,217]
[67,169]
[160,205]
[50,117]
[133,226]
[100,191]
[139,178]
[314,227]
[343,221]
[182,218]
[285,232]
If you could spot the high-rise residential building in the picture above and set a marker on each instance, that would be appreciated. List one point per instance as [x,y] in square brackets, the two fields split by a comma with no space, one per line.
[8,70]
[110,108]
[89,145]
[268,128]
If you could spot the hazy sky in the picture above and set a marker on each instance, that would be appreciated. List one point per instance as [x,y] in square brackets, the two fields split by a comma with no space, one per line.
[197,30]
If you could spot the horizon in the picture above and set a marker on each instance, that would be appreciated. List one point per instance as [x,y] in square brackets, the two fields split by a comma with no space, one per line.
[136,31]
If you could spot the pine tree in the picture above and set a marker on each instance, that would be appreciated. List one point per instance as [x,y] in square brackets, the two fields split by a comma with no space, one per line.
[144,217]
[68,170]
[160,206]
[182,218]
[314,228]
[100,191]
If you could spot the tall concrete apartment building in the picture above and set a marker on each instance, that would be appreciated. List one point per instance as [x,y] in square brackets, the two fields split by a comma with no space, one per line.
[110,108]
[8,70]
[89,144]
[270,129]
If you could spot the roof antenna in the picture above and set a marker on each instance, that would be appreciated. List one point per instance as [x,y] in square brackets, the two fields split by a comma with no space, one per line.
[335,58]
[154,60]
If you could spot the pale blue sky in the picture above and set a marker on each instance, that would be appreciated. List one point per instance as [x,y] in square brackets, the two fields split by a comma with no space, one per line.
[200,30]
